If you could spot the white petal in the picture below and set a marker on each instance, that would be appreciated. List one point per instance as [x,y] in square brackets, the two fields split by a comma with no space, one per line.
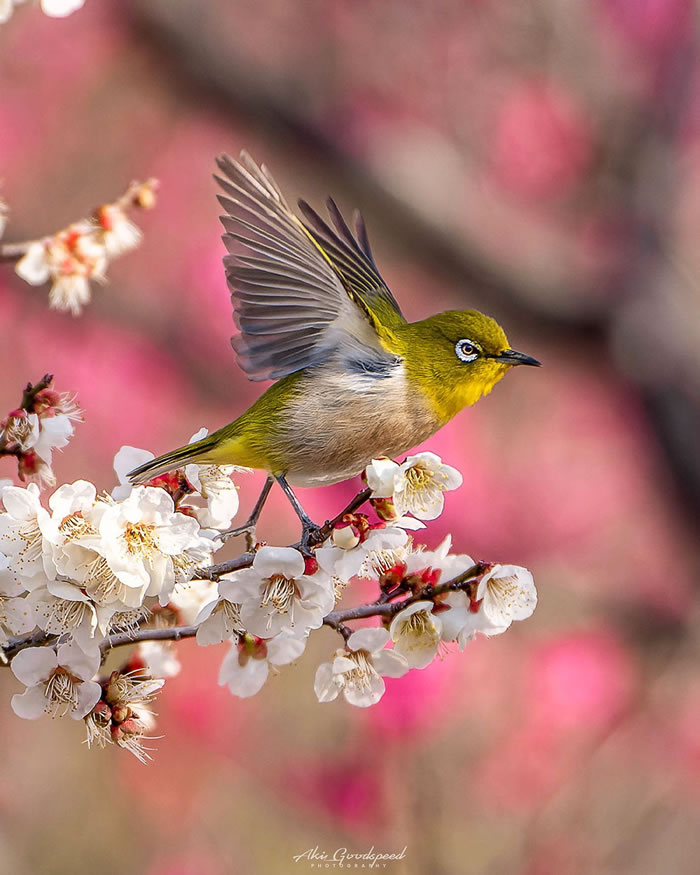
[380,474]
[390,663]
[60,8]
[284,648]
[244,680]
[364,698]
[34,664]
[324,686]
[30,704]
[33,267]
[279,560]
[88,696]
[81,664]
[371,638]
[22,504]
[128,458]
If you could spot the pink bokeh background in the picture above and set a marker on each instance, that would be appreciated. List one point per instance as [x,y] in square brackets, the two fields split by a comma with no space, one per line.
[572,743]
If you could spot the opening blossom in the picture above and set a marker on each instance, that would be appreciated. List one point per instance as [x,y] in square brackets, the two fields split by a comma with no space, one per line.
[58,682]
[416,633]
[275,593]
[358,671]
[247,665]
[416,486]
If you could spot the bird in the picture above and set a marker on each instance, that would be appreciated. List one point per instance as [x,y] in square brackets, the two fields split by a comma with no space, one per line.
[354,380]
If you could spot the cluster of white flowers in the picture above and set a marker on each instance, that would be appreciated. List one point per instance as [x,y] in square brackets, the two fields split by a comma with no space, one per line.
[54,8]
[31,433]
[81,252]
[90,567]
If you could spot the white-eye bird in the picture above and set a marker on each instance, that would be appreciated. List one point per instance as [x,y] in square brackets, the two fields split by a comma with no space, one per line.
[355,380]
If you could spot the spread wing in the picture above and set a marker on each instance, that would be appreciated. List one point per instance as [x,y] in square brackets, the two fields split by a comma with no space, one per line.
[300,294]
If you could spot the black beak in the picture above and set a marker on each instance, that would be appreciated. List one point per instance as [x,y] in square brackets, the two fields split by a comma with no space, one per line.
[511,357]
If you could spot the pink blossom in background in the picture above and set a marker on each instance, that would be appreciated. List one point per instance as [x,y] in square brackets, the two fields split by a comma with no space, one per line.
[346,789]
[651,25]
[543,140]
[418,709]
[580,682]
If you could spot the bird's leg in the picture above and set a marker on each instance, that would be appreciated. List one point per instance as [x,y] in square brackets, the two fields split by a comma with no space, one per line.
[309,529]
[248,528]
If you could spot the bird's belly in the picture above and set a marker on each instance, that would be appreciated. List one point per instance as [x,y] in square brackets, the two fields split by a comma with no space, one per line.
[332,434]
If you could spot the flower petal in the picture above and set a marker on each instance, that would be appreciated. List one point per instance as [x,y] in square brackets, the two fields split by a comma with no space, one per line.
[34,664]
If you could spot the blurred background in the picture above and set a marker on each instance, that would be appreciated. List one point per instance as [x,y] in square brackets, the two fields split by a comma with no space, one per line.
[537,160]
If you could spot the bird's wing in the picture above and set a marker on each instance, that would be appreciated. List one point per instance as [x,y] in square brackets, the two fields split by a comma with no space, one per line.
[299,294]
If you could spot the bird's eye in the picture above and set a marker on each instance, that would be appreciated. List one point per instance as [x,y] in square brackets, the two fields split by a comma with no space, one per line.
[466,350]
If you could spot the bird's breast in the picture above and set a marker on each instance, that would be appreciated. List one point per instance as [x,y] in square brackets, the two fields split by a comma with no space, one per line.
[336,422]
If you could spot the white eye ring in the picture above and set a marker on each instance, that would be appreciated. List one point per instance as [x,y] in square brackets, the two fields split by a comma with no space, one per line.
[467,350]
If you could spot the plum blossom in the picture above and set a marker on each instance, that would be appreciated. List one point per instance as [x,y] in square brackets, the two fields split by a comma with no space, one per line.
[58,681]
[246,666]
[420,484]
[70,259]
[506,593]
[276,593]
[144,541]
[381,548]
[20,530]
[74,256]
[63,608]
[415,632]
[359,670]
[221,618]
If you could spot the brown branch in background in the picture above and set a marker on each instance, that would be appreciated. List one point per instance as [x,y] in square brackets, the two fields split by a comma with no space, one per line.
[138,194]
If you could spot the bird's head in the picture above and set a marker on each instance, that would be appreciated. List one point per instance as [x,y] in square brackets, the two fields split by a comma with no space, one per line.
[458,356]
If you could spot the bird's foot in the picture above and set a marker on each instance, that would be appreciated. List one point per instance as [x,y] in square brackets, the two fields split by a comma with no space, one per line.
[310,536]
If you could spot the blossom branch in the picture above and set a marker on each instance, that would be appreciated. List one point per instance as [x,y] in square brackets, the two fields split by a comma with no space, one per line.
[73,256]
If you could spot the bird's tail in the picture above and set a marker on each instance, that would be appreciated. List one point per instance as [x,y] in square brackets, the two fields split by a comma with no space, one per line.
[196,452]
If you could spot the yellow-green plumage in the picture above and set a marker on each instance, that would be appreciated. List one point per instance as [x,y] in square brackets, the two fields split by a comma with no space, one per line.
[354,379]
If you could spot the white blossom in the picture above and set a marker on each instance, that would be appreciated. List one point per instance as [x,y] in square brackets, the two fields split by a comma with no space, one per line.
[247,664]
[119,234]
[58,681]
[54,434]
[415,486]
[143,539]
[506,593]
[16,617]
[276,594]
[63,608]
[20,530]
[415,632]
[381,549]
[221,618]
[420,484]
[359,670]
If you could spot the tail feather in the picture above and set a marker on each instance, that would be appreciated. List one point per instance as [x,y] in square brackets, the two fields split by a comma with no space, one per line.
[190,453]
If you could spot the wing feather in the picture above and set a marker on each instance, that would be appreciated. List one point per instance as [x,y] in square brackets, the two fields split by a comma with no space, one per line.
[300,292]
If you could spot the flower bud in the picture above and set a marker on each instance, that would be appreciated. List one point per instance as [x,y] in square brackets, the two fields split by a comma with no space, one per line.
[310,565]
[385,508]
[346,536]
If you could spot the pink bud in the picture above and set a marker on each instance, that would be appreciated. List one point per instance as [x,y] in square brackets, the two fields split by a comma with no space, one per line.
[310,565]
